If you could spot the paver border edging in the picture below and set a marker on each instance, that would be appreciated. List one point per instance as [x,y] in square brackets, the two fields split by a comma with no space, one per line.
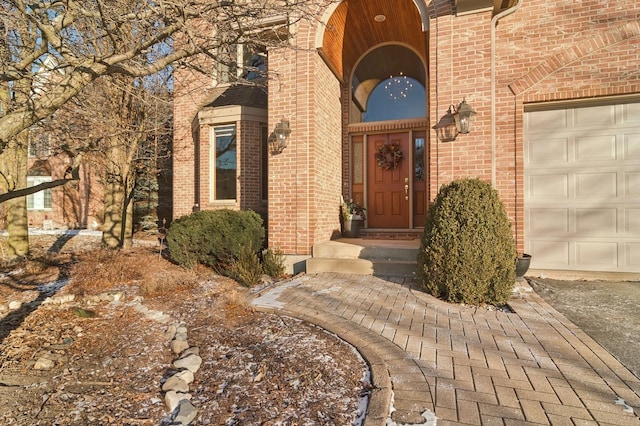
[367,344]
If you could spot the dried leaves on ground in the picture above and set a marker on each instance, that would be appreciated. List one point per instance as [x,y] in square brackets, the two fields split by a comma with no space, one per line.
[107,366]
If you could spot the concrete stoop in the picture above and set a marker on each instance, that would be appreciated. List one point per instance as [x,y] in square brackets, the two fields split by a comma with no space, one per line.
[365,257]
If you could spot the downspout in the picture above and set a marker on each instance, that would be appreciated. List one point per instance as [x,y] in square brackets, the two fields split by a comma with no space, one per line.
[494,24]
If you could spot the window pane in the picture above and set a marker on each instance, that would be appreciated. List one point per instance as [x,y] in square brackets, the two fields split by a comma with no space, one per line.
[418,156]
[255,64]
[396,98]
[41,200]
[226,166]
[47,199]
[38,145]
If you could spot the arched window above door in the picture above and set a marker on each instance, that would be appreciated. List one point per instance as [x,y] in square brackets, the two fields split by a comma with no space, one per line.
[388,84]
[396,98]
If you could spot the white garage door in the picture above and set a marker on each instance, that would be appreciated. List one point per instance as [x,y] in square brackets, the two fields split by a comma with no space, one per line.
[582,188]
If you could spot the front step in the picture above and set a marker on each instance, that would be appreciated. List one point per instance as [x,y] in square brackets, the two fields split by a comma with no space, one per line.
[365,256]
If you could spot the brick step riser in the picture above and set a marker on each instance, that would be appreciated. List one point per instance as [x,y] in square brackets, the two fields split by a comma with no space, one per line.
[361,266]
[356,252]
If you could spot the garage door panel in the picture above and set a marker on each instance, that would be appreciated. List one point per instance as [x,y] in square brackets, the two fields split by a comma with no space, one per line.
[582,188]
[632,146]
[547,221]
[549,186]
[633,255]
[632,184]
[590,185]
[601,148]
[596,254]
[543,151]
[596,221]
[550,254]
[632,222]
[544,120]
[631,113]
[601,116]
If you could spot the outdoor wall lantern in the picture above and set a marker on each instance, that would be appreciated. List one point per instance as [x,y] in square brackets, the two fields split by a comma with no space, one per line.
[446,128]
[464,117]
[455,121]
[278,142]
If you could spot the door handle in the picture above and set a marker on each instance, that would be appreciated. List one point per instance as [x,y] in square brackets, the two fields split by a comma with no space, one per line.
[406,188]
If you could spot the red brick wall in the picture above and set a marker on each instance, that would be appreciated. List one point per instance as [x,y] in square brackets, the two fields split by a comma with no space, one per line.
[304,180]
[578,53]
[289,177]
[328,153]
[75,205]
[190,91]
[250,155]
[544,51]
[248,162]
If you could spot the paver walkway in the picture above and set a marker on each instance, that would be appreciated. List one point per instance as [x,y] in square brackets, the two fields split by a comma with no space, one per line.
[464,365]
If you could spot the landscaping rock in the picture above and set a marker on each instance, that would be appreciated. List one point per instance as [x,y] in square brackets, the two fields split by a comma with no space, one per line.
[185,413]
[173,398]
[190,362]
[178,346]
[44,363]
[185,375]
[170,333]
[174,383]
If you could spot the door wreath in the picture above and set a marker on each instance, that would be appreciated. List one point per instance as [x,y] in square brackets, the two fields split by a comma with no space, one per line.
[388,156]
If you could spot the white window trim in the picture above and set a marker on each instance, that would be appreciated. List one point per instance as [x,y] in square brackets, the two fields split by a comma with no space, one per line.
[38,197]
[212,166]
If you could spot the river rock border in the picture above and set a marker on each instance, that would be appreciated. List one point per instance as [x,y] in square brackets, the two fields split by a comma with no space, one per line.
[181,374]
[177,397]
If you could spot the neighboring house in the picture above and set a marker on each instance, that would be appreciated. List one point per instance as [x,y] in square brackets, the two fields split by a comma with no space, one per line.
[75,205]
[556,89]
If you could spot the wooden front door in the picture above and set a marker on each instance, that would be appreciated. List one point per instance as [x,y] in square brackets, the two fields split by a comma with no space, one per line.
[388,189]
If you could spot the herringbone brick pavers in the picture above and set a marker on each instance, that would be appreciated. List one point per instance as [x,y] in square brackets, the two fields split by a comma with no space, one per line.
[466,365]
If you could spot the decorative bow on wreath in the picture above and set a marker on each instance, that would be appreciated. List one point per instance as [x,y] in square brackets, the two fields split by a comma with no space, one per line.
[388,156]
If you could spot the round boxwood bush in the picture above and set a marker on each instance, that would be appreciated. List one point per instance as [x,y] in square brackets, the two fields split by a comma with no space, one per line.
[467,253]
[215,238]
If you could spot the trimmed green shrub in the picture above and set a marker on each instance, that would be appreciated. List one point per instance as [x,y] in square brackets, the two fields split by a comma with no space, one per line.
[214,238]
[467,253]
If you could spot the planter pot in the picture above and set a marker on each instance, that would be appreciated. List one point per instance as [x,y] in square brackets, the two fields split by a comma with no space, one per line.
[522,265]
[351,228]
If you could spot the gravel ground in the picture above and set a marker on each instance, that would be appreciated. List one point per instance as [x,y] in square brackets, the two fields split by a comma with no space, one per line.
[108,369]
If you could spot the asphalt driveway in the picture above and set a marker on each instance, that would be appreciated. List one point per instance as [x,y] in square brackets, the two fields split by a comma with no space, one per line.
[609,312]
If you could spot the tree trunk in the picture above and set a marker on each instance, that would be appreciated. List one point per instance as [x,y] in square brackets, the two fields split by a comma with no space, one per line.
[18,227]
[14,169]
[112,227]
[127,228]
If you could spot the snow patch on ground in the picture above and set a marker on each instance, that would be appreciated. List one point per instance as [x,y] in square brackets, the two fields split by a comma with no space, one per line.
[430,418]
[269,299]
[627,408]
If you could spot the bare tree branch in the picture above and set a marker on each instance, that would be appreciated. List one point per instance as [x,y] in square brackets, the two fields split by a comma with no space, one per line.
[74,175]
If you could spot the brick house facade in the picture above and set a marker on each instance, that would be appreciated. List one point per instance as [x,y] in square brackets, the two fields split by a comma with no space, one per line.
[76,205]
[516,63]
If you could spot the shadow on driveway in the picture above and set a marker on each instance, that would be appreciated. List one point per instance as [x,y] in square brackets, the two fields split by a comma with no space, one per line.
[609,312]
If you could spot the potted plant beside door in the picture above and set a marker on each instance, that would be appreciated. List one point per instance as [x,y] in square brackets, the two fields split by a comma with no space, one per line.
[353,217]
